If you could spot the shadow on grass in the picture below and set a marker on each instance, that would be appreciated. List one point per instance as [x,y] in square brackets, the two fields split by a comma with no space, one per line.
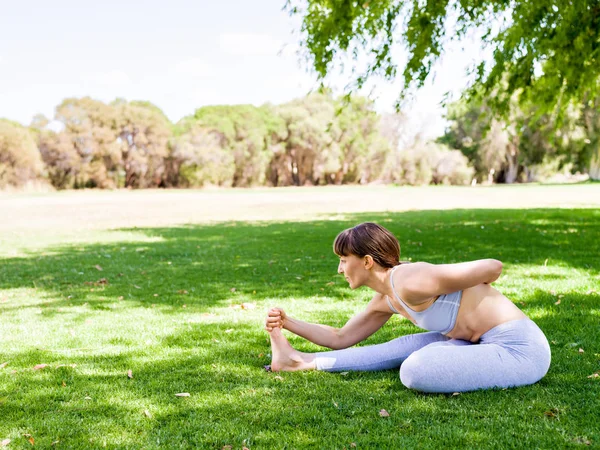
[233,401]
[214,265]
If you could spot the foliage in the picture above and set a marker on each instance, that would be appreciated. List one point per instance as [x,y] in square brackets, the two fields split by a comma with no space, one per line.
[318,139]
[523,147]
[428,162]
[548,51]
[198,159]
[20,161]
[142,132]
[247,133]
[85,153]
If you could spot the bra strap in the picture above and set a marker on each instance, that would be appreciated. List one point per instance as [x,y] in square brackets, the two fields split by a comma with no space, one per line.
[394,290]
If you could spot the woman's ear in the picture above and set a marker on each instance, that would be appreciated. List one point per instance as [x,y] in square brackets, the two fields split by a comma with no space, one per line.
[368,261]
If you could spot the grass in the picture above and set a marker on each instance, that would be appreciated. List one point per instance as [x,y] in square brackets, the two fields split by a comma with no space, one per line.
[182,308]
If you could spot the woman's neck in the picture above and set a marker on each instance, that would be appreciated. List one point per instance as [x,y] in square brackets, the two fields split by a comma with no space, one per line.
[379,281]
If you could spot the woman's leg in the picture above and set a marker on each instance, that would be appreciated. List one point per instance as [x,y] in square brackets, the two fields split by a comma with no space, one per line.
[515,353]
[368,358]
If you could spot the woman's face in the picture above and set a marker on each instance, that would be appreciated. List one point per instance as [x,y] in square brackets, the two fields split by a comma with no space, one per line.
[352,267]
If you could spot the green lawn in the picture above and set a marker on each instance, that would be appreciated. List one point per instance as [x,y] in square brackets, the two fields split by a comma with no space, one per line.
[182,308]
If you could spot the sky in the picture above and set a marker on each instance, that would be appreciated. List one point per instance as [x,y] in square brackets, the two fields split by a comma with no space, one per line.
[179,55]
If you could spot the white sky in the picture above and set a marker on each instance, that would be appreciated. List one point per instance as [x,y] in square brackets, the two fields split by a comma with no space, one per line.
[180,55]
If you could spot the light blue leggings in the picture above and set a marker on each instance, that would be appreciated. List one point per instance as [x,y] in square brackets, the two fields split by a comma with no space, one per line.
[515,353]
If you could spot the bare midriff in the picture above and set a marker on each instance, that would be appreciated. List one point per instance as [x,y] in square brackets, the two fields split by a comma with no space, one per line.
[482,308]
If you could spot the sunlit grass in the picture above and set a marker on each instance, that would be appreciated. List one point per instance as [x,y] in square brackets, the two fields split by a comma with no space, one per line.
[182,308]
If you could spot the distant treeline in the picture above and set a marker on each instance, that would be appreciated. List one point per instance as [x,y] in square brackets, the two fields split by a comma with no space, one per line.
[315,140]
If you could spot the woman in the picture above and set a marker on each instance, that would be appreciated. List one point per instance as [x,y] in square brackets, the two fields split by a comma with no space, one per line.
[477,339]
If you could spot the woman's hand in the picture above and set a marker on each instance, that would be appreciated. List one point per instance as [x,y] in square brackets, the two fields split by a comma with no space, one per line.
[275,319]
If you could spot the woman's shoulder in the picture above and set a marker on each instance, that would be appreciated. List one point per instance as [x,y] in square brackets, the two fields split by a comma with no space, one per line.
[379,303]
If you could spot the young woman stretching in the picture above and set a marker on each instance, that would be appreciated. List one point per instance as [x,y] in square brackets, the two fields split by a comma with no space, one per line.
[477,339]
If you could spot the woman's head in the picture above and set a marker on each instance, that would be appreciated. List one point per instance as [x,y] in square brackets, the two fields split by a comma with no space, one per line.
[369,239]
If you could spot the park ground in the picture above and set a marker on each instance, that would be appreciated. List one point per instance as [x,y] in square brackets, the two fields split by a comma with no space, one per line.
[114,302]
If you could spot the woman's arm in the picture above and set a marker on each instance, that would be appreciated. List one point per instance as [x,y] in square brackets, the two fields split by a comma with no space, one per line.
[355,330]
[419,282]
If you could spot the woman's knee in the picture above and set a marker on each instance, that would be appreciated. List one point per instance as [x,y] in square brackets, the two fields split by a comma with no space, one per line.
[411,372]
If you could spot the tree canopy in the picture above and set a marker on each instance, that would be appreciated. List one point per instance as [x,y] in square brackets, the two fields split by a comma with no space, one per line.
[547,51]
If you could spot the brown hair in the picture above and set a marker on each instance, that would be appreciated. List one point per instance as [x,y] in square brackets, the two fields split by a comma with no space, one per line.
[369,239]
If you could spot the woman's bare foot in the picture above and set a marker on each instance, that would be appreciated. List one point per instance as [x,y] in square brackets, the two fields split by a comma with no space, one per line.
[285,357]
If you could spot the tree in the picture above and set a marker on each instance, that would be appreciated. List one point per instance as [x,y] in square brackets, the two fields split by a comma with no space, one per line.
[198,158]
[20,160]
[549,51]
[143,132]
[311,152]
[248,133]
[85,153]
[363,147]
[527,146]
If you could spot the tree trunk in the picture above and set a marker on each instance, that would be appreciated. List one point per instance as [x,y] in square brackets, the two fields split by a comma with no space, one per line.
[594,170]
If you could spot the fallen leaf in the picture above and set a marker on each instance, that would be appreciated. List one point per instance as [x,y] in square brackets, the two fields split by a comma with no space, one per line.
[353,445]
[98,267]
[156,295]
[455,394]
[182,394]
[226,447]
[384,413]
[40,366]
[64,384]
[343,374]
[87,398]
[279,378]
[229,331]
[30,438]
[248,305]
[147,414]
[120,297]
[182,291]
[557,303]
[232,289]
[3,365]
[551,413]
[130,373]
[581,350]
[5,442]
[136,286]
[55,442]
[331,283]
[595,375]
[581,440]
